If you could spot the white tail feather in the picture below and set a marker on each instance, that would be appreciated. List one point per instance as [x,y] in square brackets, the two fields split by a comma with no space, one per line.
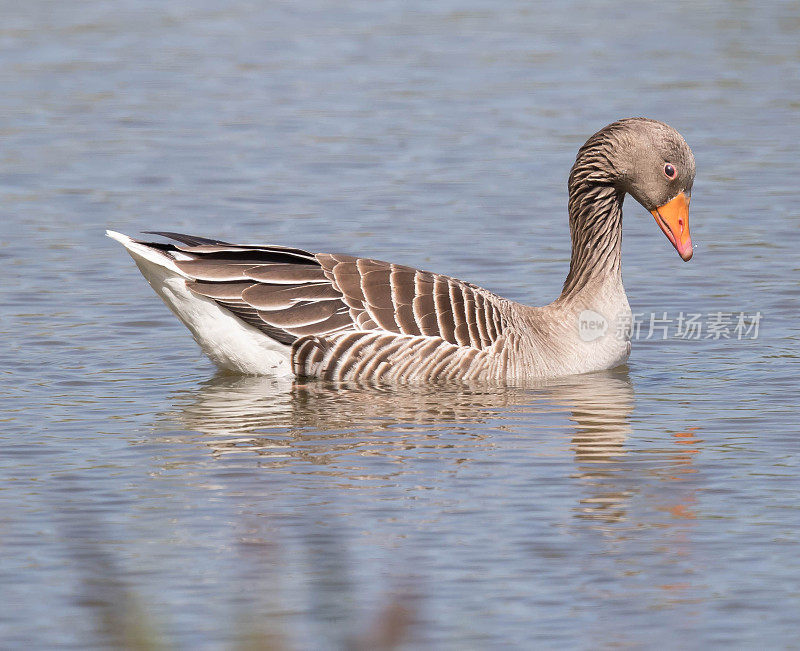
[228,341]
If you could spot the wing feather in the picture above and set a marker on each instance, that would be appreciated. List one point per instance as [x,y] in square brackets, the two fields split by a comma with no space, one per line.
[213,270]
[348,317]
[220,290]
[302,314]
[425,307]
[281,297]
[286,274]
[461,329]
[335,323]
[444,309]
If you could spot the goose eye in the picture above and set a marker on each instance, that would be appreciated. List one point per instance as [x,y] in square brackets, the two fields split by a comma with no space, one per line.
[669,170]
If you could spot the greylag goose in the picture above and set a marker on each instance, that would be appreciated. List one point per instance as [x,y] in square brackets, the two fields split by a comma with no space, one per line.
[264,309]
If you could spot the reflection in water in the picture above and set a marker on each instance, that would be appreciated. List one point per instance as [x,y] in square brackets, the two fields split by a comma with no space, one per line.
[329,426]
[599,404]
[384,438]
[343,430]
[601,427]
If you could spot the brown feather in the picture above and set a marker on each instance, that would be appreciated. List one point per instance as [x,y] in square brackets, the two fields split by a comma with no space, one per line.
[404,315]
[470,313]
[222,291]
[302,314]
[281,297]
[403,284]
[377,288]
[213,270]
[289,274]
[461,330]
[444,312]
[425,307]
[335,322]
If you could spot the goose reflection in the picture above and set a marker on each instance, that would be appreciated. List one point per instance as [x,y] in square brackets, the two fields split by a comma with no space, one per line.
[328,423]
[395,440]
[601,417]
[329,426]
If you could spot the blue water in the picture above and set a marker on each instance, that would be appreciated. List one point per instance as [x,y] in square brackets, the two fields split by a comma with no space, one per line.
[146,500]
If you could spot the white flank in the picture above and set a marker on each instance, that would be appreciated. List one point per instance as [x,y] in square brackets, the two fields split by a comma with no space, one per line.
[230,342]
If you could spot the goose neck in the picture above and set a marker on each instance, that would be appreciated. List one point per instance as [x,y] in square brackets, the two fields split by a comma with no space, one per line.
[595,219]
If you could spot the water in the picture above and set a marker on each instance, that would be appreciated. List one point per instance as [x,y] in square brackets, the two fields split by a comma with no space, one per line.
[144,499]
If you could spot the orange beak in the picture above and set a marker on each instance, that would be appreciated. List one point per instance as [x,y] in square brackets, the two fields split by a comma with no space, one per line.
[673,218]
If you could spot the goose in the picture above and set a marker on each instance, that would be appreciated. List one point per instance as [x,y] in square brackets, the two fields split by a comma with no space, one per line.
[276,310]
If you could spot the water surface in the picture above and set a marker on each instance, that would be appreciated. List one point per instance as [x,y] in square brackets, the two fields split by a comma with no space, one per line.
[145,497]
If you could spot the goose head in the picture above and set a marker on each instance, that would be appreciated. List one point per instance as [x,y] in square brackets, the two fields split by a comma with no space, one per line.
[650,161]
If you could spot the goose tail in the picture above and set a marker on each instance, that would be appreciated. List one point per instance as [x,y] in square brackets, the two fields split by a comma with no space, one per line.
[230,342]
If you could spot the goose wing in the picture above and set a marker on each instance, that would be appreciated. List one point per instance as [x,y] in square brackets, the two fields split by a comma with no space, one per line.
[338,310]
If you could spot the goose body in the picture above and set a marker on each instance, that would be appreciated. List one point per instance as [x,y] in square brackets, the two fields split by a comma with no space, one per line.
[263,309]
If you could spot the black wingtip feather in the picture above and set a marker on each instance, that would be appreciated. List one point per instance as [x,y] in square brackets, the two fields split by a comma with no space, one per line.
[189,240]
